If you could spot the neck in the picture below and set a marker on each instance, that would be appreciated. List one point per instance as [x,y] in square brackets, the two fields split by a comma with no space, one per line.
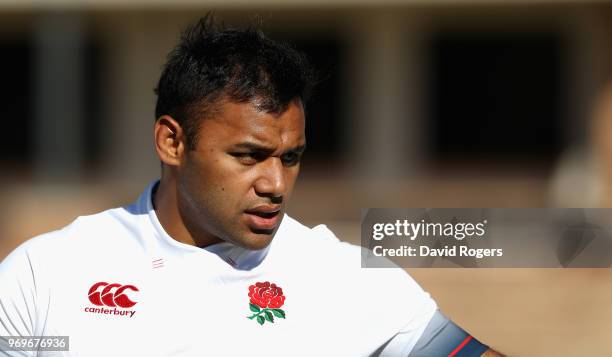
[165,202]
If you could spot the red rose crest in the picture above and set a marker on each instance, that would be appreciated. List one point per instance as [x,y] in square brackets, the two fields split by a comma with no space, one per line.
[266,300]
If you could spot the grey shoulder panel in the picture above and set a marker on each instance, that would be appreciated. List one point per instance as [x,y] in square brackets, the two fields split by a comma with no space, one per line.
[444,338]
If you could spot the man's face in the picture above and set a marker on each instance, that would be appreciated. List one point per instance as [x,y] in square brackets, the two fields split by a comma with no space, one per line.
[234,186]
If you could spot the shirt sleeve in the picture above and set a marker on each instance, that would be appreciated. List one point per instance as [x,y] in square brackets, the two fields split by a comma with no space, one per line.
[18,292]
[441,337]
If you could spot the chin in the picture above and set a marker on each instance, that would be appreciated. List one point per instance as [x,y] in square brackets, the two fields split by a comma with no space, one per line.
[256,240]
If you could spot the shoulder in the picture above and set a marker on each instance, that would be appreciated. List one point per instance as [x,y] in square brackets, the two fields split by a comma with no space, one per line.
[293,233]
[106,227]
[323,251]
[299,243]
[87,238]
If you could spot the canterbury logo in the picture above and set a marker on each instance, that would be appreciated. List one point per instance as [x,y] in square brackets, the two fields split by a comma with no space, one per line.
[113,295]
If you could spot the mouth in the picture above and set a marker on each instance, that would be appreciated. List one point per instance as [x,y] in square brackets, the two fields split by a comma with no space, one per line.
[264,218]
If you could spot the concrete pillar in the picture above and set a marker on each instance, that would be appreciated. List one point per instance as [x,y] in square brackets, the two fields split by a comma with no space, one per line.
[137,50]
[58,97]
[383,97]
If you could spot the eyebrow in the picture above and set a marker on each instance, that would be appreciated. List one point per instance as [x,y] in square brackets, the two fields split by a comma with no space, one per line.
[261,148]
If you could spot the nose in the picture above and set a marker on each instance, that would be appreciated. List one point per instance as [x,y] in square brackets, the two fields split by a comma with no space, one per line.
[271,181]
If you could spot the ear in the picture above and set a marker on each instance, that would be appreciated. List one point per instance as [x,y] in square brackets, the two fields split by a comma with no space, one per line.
[169,140]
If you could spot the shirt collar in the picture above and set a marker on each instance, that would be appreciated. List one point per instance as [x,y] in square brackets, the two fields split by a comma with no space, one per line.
[237,257]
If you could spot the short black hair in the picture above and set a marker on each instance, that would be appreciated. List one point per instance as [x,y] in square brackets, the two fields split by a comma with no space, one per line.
[242,65]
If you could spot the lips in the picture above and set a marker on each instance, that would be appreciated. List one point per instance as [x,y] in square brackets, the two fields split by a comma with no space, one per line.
[263,217]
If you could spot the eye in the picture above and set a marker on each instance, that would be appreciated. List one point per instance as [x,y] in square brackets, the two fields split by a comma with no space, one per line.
[291,158]
[249,158]
[246,158]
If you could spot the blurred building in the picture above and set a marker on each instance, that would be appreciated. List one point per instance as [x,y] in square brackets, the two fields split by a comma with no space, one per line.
[442,103]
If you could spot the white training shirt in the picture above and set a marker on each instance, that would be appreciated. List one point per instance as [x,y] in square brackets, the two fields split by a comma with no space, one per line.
[195,302]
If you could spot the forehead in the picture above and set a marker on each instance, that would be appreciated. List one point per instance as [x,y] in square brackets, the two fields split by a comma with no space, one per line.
[244,122]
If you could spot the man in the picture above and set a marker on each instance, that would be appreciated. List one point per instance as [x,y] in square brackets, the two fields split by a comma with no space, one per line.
[206,263]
